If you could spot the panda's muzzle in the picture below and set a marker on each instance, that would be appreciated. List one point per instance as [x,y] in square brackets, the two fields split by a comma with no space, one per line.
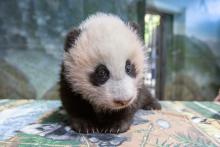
[122,102]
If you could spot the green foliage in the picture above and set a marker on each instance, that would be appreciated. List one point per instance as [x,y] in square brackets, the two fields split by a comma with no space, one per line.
[36,140]
[163,144]
[203,111]
[151,22]
[55,117]
[188,140]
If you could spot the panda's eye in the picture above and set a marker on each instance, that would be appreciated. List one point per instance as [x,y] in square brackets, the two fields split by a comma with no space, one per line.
[130,69]
[102,72]
[100,75]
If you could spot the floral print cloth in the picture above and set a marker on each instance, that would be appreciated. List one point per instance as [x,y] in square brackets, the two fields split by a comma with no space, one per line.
[44,123]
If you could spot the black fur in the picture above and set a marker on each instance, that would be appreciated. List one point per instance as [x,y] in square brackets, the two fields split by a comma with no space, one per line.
[130,69]
[134,26]
[71,38]
[100,76]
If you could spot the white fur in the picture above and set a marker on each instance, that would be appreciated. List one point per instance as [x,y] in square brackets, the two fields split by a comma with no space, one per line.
[105,39]
[123,89]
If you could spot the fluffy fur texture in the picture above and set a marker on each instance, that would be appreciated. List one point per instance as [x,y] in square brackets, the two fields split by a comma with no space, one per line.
[103,43]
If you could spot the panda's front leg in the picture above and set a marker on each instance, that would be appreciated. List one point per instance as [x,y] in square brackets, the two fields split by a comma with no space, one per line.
[146,100]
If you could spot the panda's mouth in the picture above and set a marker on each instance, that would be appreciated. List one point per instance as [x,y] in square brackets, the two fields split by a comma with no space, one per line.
[119,104]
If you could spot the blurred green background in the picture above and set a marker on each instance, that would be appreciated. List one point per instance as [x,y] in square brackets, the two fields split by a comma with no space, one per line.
[184,34]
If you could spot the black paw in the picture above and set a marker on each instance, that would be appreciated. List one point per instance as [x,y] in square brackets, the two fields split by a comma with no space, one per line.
[82,126]
[119,127]
[153,106]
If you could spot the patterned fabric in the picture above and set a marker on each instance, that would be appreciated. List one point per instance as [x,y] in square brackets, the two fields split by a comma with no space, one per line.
[43,123]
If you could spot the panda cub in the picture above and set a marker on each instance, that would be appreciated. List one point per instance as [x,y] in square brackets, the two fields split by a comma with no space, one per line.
[101,79]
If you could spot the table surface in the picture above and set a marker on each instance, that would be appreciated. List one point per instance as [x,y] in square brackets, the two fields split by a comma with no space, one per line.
[42,123]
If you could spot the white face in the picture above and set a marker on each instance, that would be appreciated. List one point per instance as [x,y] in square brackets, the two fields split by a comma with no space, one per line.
[106,64]
[120,93]
[107,85]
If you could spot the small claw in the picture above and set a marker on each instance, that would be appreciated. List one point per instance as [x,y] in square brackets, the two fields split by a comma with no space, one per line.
[110,131]
[93,130]
[106,130]
[118,130]
[87,131]
[79,130]
[97,130]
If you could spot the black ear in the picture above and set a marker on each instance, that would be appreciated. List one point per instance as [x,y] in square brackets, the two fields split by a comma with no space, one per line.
[71,38]
[134,26]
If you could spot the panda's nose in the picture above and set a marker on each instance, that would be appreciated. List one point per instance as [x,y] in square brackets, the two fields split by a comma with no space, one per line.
[122,102]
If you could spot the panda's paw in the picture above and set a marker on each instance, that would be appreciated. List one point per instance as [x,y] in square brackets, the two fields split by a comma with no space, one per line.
[155,105]
[118,128]
[82,126]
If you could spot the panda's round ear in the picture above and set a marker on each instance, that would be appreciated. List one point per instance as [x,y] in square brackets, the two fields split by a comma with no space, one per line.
[71,38]
[134,26]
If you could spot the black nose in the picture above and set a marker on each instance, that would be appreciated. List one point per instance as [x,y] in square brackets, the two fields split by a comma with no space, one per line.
[122,102]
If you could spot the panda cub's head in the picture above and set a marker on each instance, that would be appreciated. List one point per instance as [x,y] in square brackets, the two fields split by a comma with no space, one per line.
[103,61]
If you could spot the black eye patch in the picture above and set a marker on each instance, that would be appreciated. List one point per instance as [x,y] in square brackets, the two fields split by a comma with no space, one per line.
[100,75]
[130,69]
